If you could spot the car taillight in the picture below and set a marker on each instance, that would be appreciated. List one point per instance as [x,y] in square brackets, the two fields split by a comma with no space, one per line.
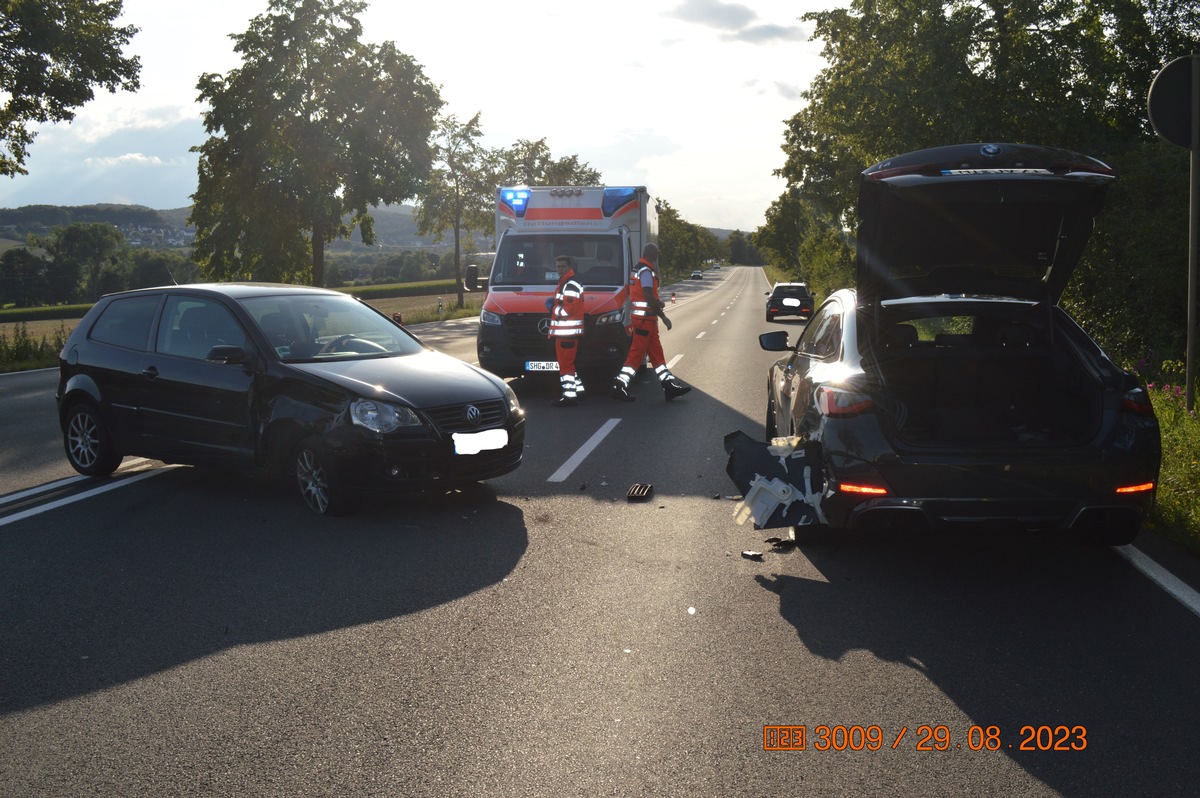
[865,490]
[1137,401]
[1141,487]
[841,403]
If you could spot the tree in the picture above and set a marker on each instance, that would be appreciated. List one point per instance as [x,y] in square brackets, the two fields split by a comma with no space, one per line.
[683,245]
[22,278]
[53,53]
[529,163]
[908,74]
[313,130]
[152,267]
[81,250]
[459,194]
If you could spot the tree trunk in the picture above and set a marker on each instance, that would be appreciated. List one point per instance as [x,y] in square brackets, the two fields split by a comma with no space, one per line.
[318,256]
[458,283]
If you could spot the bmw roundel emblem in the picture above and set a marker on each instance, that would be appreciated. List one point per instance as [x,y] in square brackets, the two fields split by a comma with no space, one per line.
[543,326]
[989,150]
[472,415]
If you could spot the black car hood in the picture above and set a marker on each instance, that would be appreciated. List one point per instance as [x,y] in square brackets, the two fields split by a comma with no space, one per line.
[421,380]
[984,219]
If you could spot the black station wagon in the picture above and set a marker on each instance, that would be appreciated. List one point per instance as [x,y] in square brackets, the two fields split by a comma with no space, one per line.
[950,388]
[281,380]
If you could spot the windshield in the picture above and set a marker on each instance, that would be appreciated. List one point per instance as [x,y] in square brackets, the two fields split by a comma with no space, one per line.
[327,327]
[529,259]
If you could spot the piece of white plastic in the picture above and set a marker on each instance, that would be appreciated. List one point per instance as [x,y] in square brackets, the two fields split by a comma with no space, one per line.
[763,498]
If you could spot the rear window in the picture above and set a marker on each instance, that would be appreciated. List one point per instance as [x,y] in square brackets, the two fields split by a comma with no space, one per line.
[791,290]
[126,322]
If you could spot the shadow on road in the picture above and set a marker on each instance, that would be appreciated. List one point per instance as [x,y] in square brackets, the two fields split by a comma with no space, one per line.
[217,561]
[1021,632]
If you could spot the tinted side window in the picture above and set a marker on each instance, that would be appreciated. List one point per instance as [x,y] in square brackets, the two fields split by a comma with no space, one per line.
[191,326]
[823,335]
[126,322]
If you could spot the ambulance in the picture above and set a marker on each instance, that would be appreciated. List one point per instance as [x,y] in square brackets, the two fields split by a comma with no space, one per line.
[603,229]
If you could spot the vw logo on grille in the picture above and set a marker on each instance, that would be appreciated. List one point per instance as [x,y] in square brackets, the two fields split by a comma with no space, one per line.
[472,415]
[544,326]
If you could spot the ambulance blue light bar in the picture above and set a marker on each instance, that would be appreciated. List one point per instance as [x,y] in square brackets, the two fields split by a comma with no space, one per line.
[617,198]
[516,199]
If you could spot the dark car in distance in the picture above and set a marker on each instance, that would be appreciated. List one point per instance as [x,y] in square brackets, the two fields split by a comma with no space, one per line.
[789,299]
[281,380]
[949,388]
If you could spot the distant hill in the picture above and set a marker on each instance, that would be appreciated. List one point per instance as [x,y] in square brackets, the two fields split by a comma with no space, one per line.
[395,227]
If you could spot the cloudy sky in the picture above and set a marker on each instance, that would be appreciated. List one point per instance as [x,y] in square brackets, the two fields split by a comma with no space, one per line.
[687,97]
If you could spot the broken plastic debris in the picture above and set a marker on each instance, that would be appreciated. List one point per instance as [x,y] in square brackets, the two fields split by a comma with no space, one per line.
[752,555]
[763,498]
[783,448]
[639,492]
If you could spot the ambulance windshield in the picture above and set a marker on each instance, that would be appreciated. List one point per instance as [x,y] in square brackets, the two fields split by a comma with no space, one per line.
[528,259]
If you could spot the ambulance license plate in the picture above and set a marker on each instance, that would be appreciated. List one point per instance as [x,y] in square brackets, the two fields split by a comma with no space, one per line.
[541,365]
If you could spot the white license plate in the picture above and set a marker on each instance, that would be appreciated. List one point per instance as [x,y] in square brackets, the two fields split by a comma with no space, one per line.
[541,365]
[476,442]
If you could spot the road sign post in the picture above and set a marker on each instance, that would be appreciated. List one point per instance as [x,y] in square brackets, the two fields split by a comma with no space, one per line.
[1174,108]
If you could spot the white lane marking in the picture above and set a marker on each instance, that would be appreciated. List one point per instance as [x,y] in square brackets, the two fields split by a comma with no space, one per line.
[1174,586]
[671,363]
[49,486]
[81,496]
[701,335]
[566,468]
[714,321]
[58,483]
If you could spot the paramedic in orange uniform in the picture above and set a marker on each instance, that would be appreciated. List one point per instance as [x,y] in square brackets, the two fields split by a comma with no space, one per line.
[566,328]
[645,307]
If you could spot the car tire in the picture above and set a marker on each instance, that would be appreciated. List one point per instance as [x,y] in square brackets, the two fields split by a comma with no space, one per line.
[88,443]
[320,488]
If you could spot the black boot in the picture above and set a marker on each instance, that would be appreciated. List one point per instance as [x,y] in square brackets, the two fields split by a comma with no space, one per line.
[566,401]
[620,392]
[673,388]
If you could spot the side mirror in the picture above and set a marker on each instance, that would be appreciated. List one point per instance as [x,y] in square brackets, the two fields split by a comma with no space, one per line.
[471,277]
[776,341]
[226,355]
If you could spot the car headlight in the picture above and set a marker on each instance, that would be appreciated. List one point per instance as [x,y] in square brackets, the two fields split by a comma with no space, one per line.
[489,318]
[382,417]
[612,317]
[514,404]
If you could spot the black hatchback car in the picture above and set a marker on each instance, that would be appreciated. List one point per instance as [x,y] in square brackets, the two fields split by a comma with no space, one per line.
[950,388]
[281,380]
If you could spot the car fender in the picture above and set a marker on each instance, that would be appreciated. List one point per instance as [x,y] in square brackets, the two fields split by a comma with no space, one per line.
[78,384]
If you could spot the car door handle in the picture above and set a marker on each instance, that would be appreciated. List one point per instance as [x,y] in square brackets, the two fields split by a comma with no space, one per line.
[150,372]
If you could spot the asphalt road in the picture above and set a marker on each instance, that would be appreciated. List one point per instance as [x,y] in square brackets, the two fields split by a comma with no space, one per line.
[190,633]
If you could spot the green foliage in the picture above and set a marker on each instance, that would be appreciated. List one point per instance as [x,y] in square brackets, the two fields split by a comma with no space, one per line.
[43,313]
[22,278]
[1177,510]
[908,74]
[458,195]
[317,127]
[53,53]
[683,245]
[529,163]
[82,250]
[22,352]
[426,288]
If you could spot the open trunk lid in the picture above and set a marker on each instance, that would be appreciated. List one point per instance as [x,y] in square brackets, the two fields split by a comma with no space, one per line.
[977,219]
